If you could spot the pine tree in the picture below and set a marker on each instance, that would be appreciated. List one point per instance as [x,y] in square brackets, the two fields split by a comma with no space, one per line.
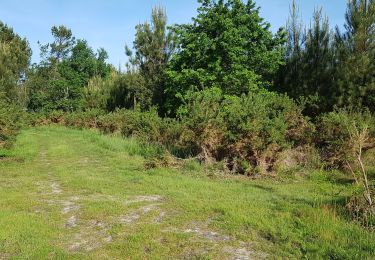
[308,73]
[289,77]
[61,47]
[15,55]
[356,49]
[154,44]
[317,62]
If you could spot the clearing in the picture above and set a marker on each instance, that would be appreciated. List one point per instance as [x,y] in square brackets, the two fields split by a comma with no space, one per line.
[77,194]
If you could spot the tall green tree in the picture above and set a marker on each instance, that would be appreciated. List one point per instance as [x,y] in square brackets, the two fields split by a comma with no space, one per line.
[58,82]
[309,72]
[61,46]
[228,46]
[83,64]
[356,49]
[153,46]
[318,62]
[15,55]
[290,75]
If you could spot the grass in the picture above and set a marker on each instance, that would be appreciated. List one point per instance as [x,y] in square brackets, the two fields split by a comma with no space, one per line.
[70,194]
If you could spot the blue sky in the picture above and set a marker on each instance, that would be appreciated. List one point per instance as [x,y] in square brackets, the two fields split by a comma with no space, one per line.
[110,23]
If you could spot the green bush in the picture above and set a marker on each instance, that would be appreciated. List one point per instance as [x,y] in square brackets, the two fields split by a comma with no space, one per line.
[112,122]
[146,126]
[344,137]
[261,126]
[334,134]
[248,132]
[202,127]
[12,118]
[81,120]
[47,117]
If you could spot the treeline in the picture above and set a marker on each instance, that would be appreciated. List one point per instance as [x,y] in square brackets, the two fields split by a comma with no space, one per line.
[222,88]
[330,68]
[227,46]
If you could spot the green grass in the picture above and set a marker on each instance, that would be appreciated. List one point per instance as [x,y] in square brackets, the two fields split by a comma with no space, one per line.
[100,178]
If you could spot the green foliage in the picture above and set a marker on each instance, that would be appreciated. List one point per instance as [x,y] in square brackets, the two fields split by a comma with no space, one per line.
[82,120]
[142,85]
[334,69]
[59,81]
[310,67]
[85,64]
[145,126]
[356,53]
[12,118]
[60,48]
[50,91]
[335,130]
[111,123]
[15,55]
[248,132]
[261,125]
[128,90]
[202,123]
[227,46]
[344,138]
[96,93]
[153,45]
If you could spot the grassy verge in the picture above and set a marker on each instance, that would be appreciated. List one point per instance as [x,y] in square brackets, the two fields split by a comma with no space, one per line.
[78,194]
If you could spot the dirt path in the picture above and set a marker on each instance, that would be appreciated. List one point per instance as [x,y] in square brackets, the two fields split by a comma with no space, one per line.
[90,202]
[89,235]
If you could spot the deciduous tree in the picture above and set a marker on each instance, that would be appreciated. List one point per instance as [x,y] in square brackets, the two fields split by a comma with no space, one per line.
[228,46]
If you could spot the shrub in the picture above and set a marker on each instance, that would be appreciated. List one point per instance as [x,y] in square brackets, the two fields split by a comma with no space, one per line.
[202,130]
[112,122]
[12,118]
[96,93]
[145,126]
[297,158]
[248,132]
[335,134]
[55,116]
[87,119]
[260,126]
[344,136]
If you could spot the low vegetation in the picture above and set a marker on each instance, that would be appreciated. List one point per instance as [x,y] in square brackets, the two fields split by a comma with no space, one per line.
[11,121]
[86,195]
